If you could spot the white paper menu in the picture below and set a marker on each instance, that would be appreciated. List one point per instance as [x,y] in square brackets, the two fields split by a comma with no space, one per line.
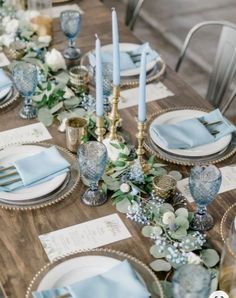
[228,182]
[87,235]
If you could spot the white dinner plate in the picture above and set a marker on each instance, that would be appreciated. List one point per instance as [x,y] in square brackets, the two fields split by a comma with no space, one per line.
[126,47]
[11,154]
[180,115]
[4,92]
[76,269]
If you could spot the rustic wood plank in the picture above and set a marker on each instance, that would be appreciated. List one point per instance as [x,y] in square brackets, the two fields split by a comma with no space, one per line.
[21,254]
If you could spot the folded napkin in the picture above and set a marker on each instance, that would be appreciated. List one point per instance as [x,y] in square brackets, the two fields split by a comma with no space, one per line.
[5,81]
[128,60]
[191,132]
[36,169]
[119,282]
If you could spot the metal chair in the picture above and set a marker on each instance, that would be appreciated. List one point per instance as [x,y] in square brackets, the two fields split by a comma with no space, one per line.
[133,8]
[224,67]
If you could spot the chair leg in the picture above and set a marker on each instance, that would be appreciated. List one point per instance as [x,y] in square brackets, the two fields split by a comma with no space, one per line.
[132,12]
[228,103]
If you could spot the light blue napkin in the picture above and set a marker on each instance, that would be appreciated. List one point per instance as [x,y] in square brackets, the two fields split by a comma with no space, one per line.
[191,133]
[37,169]
[127,60]
[119,282]
[5,81]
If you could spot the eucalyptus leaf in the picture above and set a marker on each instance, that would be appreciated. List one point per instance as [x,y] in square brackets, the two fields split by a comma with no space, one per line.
[166,207]
[179,234]
[147,231]
[159,172]
[209,257]
[72,102]
[160,265]
[123,206]
[182,221]
[182,212]
[56,108]
[167,288]
[176,175]
[45,116]
[154,251]
[79,112]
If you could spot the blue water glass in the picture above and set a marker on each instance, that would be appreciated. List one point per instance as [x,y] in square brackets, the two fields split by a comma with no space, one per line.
[204,184]
[92,157]
[25,78]
[191,281]
[71,26]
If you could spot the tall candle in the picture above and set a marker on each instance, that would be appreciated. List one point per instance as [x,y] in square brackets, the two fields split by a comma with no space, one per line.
[116,49]
[142,89]
[99,88]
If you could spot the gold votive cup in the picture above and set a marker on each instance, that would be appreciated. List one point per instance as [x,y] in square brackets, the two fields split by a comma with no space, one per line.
[164,186]
[42,25]
[79,78]
[76,129]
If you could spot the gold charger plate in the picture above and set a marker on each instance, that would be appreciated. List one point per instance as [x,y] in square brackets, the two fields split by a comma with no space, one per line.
[12,97]
[154,149]
[226,221]
[147,275]
[62,192]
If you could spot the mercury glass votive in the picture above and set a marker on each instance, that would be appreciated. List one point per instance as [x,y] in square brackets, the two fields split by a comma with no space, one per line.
[76,129]
[164,186]
[79,79]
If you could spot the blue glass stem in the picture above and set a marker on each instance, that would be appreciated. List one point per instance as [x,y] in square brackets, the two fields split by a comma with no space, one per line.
[28,100]
[93,186]
[72,43]
[201,210]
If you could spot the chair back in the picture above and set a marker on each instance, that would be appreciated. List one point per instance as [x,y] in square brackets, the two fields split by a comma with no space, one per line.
[224,66]
[133,8]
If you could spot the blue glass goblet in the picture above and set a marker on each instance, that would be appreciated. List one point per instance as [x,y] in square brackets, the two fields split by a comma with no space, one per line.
[204,184]
[71,25]
[25,77]
[92,157]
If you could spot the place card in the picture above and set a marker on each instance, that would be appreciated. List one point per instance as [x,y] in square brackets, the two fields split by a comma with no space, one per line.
[87,235]
[154,91]
[228,182]
[56,10]
[3,60]
[31,133]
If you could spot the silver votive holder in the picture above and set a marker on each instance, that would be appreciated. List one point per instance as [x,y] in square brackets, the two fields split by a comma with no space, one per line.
[76,130]
[79,79]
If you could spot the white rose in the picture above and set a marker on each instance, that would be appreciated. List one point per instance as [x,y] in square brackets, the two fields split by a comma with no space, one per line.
[68,93]
[5,20]
[193,258]
[168,218]
[113,152]
[55,60]
[6,39]
[125,187]
[12,26]
[46,39]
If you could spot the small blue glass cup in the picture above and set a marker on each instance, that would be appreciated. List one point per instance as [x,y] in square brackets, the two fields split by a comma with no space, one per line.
[71,26]
[204,184]
[191,281]
[25,78]
[92,157]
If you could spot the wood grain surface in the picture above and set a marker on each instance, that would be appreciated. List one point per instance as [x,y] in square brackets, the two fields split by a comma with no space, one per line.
[21,253]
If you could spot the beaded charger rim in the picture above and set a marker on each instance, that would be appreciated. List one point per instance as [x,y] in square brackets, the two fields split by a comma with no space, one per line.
[153,149]
[154,74]
[60,194]
[13,97]
[96,251]
[224,223]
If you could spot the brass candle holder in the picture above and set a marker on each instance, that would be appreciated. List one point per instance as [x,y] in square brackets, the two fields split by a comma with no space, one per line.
[114,116]
[100,130]
[140,137]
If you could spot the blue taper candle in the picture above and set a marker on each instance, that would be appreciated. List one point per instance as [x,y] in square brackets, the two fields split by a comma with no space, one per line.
[116,49]
[99,88]
[142,89]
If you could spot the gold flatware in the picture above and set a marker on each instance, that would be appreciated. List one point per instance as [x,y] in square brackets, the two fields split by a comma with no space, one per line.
[2,169]
[8,175]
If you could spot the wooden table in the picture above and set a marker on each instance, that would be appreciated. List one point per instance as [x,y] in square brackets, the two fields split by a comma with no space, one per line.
[21,252]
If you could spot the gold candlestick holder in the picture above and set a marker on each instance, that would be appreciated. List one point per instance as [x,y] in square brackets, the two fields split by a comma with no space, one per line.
[114,116]
[100,130]
[140,137]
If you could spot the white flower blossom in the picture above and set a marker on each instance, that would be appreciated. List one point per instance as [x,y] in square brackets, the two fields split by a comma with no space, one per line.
[168,218]
[6,39]
[12,26]
[55,60]
[125,187]
[113,152]
[193,258]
